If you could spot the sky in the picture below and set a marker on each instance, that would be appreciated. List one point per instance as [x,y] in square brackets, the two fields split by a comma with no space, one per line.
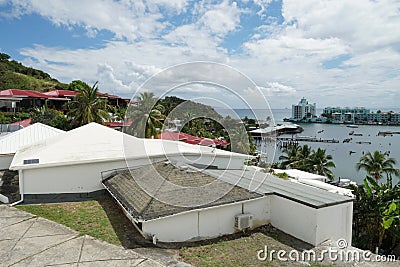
[334,53]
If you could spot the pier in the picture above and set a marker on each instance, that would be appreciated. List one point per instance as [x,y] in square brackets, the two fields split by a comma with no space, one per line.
[307,139]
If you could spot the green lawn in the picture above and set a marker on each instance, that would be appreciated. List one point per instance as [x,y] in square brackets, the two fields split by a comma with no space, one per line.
[98,218]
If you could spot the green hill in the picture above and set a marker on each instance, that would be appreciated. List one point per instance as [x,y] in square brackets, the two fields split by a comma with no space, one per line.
[14,75]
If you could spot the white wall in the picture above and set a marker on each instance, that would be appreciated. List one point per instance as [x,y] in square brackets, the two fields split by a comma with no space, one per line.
[335,222]
[294,218]
[5,161]
[80,178]
[311,225]
[206,223]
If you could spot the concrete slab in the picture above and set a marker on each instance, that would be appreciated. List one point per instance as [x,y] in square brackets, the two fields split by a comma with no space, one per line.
[7,211]
[149,263]
[16,231]
[63,253]
[27,247]
[43,227]
[95,250]
[7,221]
[26,240]
[113,263]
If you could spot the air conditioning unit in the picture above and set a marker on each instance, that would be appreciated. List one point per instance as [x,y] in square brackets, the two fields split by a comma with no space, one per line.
[243,221]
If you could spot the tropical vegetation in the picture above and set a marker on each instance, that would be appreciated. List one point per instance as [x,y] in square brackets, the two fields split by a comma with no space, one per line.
[376,218]
[145,116]
[377,164]
[306,159]
[88,106]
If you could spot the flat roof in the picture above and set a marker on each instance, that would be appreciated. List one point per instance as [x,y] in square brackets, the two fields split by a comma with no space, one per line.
[298,174]
[184,187]
[266,183]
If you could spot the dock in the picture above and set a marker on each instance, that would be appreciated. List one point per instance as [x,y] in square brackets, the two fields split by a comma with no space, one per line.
[307,139]
[287,141]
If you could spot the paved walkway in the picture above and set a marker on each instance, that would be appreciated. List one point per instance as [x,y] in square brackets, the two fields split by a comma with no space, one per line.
[26,240]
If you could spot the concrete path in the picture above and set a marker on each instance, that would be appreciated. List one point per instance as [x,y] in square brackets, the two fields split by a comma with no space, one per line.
[26,240]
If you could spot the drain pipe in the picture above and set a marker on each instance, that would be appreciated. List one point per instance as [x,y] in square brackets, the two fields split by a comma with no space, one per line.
[21,188]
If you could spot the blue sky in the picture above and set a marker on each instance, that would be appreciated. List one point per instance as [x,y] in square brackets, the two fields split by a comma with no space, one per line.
[331,52]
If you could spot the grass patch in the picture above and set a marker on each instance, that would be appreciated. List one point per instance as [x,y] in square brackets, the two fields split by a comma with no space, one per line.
[101,219]
[243,251]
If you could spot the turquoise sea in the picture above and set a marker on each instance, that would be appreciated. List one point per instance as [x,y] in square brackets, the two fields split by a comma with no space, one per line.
[345,162]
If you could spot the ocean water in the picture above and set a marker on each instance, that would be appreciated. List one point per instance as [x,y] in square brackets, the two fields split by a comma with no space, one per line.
[345,162]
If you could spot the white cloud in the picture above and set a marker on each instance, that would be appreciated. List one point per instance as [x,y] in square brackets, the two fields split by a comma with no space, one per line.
[287,61]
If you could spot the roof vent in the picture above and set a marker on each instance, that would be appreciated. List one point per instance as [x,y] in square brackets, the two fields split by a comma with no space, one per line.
[31,161]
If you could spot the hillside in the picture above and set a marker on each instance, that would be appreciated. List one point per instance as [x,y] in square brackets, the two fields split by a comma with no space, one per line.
[14,75]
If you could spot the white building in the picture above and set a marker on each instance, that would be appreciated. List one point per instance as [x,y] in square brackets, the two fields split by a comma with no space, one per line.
[308,213]
[303,110]
[311,214]
[197,207]
[92,158]
[10,143]
[69,165]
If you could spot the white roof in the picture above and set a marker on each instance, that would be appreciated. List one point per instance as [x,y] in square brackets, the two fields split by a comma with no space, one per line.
[328,187]
[297,174]
[97,143]
[12,142]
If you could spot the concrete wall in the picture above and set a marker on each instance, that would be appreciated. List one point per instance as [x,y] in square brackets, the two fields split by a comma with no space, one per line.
[294,218]
[312,225]
[5,161]
[78,178]
[206,223]
[335,222]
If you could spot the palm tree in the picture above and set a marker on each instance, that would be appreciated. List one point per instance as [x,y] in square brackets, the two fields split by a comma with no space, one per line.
[241,142]
[377,164]
[320,163]
[302,158]
[145,116]
[289,155]
[87,106]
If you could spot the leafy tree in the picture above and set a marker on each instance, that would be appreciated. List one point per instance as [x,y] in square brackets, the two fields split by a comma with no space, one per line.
[375,218]
[4,57]
[77,85]
[88,107]
[377,164]
[51,117]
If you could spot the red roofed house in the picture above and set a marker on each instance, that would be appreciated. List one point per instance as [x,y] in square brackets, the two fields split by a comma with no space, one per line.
[112,100]
[194,140]
[13,99]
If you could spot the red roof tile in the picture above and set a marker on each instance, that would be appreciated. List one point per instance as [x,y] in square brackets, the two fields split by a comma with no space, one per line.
[23,93]
[23,123]
[61,93]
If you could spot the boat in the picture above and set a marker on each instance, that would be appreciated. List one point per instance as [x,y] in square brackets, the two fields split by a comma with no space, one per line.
[358,134]
[351,132]
[352,126]
[320,131]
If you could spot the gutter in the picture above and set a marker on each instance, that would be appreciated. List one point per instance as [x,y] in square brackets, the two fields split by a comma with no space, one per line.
[21,188]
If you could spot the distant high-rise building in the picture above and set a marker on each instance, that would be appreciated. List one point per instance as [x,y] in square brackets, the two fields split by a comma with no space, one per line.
[303,110]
